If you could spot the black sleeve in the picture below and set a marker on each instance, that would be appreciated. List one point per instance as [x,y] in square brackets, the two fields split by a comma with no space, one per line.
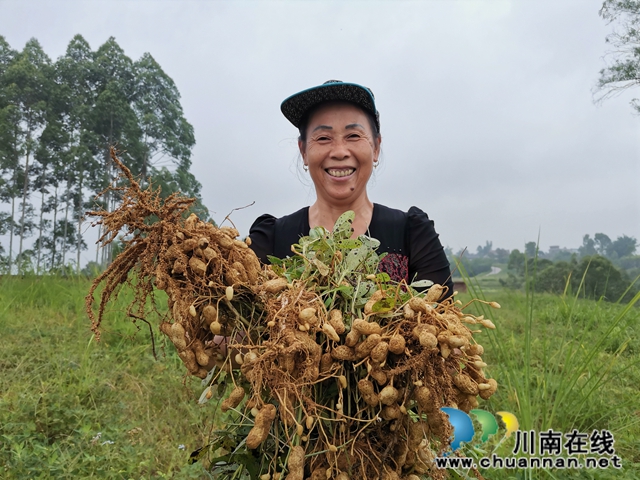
[262,234]
[427,260]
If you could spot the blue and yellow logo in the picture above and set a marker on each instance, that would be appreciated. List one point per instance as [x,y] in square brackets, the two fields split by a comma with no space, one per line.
[463,430]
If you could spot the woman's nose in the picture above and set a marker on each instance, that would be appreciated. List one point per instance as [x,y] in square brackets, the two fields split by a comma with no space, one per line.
[339,150]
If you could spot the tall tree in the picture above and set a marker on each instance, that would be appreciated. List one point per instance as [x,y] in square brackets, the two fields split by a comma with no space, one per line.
[9,148]
[623,246]
[530,249]
[623,70]
[57,125]
[114,120]
[78,76]
[28,81]
[588,247]
[486,250]
[165,131]
[602,244]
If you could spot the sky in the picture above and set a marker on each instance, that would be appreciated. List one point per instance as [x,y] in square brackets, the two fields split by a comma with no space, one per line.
[487,109]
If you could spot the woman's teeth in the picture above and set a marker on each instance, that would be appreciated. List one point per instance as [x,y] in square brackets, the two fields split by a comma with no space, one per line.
[341,173]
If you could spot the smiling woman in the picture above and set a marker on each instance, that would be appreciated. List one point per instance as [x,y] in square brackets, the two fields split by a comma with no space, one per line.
[340,145]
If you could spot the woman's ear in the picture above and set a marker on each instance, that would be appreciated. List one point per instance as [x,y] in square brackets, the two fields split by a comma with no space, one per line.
[302,147]
[376,149]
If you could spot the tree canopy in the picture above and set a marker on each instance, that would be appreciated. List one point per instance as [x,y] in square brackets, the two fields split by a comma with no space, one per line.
[58,121]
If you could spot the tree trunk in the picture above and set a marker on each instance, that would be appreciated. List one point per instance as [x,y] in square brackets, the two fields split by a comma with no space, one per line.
[80,218]
[24,191]
[66,222]
[13,202]
[55,218]
[13,212]
[40,231]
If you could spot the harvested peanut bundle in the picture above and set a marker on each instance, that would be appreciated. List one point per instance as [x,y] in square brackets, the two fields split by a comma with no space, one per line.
[333,370]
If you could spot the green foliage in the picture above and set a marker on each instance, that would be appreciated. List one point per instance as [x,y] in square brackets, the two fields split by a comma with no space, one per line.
[516,261]
[594,277]
[530,249]
[623,246]
[623,71]
[563,363]
[554,278]
[568,362]
[72,408]
[486,250]
[58,122]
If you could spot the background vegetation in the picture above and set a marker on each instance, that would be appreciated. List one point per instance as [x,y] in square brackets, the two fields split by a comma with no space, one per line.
[609,267]
[74,408]
[58,121]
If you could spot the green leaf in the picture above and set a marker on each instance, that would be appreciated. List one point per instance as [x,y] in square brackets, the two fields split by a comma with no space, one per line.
[343,227]
[203,397]
[346,290]
[372,243]
[372,262]
[355,258]
[274,260]
[384,305]
[318,232]
[365,290]
[348,243]
[207,379]
[321,246]
[383,277]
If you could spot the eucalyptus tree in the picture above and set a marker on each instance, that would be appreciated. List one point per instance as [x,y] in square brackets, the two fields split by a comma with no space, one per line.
[9,150]
[138,110]
[57,126]
[167,137]
[165,131]
[114,121]
[79,168]
[28,81]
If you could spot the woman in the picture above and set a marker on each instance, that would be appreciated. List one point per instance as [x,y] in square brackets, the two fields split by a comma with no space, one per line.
[340,145]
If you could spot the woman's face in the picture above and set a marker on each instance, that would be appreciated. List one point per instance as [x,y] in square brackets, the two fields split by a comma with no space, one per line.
[340,151]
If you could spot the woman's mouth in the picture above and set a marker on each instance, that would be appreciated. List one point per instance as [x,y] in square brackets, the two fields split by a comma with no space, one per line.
[340,172]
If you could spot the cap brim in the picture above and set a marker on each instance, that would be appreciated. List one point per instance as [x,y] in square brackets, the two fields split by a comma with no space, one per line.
[296,106]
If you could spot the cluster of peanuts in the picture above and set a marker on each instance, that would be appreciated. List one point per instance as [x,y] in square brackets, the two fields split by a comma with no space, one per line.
[332,391]
[202,269]
[399,368]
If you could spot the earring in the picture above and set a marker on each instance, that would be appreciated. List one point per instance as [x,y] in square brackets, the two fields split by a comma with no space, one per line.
[305,168]
[375,163]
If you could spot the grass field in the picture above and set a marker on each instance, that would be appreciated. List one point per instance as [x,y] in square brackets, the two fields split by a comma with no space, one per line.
[74,408]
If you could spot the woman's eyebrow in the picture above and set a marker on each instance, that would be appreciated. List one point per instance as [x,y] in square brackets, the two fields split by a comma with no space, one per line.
[322,127]
[354,125]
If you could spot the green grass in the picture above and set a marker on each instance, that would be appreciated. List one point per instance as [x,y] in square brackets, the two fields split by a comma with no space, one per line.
[565,363]
[71,407]
[561,363]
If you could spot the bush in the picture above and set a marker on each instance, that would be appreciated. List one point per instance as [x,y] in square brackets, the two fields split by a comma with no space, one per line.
[601,279]
[553,278]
